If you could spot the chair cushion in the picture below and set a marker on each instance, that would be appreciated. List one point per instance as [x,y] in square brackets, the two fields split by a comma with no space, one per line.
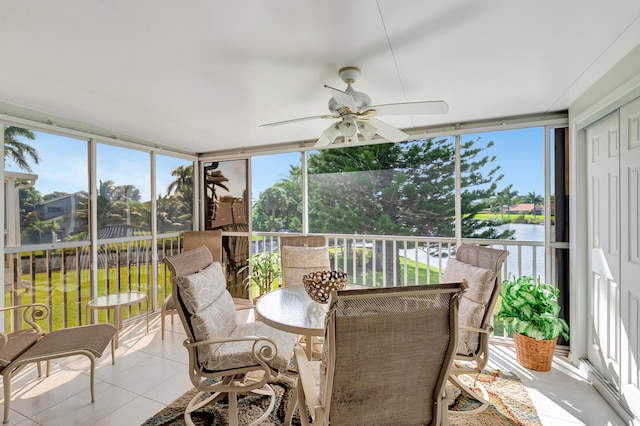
[239,354]
[472,307]
[481,281]
[216,321]
[202,288]
[299,261]
[213,314]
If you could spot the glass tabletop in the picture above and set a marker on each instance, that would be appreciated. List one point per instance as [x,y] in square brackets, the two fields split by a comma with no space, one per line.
[291,309]
[117,299]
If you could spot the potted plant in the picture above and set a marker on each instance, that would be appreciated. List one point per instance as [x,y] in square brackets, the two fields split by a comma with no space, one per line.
[265,271]
[529,309]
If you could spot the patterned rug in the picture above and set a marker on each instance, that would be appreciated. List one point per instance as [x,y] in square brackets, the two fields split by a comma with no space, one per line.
[510,405]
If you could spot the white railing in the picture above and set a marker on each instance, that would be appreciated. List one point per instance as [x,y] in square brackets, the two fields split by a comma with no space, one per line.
[60,276]
[389,261]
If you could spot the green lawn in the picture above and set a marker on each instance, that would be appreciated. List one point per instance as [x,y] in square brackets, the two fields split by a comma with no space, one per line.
[67,295]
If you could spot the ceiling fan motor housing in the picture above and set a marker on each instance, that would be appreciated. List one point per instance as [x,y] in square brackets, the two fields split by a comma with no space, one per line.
[362,101]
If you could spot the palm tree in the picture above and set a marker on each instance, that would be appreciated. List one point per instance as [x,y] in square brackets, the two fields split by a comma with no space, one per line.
[506,197]
[534,199]
[19,151]
[273,200]
[183,183]
[213,178]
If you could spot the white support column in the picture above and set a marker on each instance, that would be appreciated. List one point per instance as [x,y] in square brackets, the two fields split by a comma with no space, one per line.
[93,220]
[2,220]
[154,235]
[458,205]
[305,193]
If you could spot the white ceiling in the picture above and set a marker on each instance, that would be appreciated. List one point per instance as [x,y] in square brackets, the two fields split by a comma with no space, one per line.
[202,75]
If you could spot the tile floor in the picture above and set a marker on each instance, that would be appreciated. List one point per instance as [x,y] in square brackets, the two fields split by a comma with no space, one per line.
[150,373]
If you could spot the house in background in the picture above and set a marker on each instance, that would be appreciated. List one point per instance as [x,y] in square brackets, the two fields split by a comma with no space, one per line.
[525,208]
[64,210]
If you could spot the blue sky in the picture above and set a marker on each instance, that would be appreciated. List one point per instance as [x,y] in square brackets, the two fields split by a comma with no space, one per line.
[520,153]
[63,166]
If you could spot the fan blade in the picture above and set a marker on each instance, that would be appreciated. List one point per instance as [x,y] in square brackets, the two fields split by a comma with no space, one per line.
[410,108]
[295,120]
[343,98]
[328,136]
[367,130]
[388,132]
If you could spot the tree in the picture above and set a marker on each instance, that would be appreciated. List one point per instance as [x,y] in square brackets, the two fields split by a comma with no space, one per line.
[534,199]
[273,200]
[506,197]
[30,199]
[400,189]
[18,151]
[179,198]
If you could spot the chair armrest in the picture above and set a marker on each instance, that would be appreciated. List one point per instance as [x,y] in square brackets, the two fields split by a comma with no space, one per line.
[256,339]
[32,312]
[487,330]
[4,338]
[305,378]
[261,354]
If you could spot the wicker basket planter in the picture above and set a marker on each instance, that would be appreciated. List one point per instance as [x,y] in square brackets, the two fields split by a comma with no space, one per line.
[534,354]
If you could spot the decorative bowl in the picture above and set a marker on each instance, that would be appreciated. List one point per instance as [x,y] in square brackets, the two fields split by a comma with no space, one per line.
[319,284]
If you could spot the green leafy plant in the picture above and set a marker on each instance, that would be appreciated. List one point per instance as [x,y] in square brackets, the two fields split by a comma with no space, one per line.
[531,308]
[265,271]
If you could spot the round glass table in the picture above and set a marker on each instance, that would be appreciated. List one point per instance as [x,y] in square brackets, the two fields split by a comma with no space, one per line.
[291,309]
[117,301]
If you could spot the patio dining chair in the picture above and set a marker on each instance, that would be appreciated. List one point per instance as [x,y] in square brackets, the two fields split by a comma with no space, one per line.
[386,358]
[300,255]
[218,346]
[481,268]
[212,239]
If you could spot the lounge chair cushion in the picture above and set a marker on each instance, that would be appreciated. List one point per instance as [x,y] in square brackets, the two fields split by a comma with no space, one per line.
[472,307]
[299,261]
[18,342]
[239,354]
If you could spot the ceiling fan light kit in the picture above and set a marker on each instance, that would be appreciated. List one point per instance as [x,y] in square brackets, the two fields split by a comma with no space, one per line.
[355,113]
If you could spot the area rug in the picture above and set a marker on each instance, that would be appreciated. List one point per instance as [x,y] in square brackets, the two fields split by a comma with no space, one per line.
[510,405]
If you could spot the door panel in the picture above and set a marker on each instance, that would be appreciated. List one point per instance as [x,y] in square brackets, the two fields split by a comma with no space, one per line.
[603,158]
[630,254]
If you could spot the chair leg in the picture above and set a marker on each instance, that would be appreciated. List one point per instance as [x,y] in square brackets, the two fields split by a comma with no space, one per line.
[197,403]
[484,399]
[6,381]
[162,321]
[302,404]
[233,409]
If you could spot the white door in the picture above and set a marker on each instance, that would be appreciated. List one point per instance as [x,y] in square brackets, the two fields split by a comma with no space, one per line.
[630,254]
[603,165]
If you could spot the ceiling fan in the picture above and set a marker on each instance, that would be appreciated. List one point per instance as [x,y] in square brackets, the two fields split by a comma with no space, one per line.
[354,113]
